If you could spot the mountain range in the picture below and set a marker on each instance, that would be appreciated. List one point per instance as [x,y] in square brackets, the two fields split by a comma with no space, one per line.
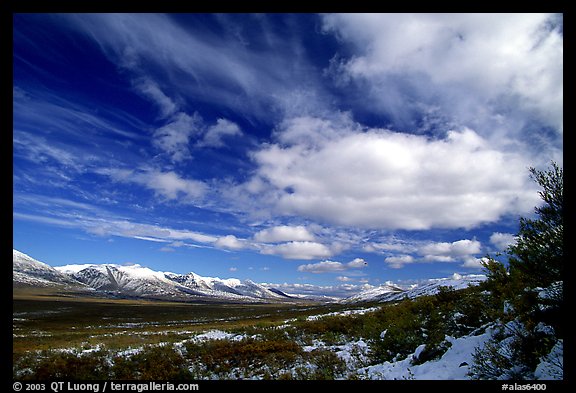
[135,281]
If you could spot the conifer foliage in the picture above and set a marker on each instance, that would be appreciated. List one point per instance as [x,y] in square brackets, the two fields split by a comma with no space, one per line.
[528,292]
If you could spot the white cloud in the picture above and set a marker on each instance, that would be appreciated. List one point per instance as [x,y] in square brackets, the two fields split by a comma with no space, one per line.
[174,137]
[284,233]
[322,267]
[297,250]
[504,63]
[331,266]
[426,252]
[230,242]
[151,90]
[102,224]
[341,291]
[397,262]
[502,240]
[253,80]
[215,134]
[357,263]
[344,279]
[386,180]
[449,252]
[473,263]
[233,269]
[168,185]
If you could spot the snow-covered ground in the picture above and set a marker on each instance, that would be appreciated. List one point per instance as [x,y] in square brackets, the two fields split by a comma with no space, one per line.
[342,313]
[454,364]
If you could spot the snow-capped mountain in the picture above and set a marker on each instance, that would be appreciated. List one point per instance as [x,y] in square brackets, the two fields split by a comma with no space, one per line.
[27,271]
[387,293]
[379,293]
[138,281]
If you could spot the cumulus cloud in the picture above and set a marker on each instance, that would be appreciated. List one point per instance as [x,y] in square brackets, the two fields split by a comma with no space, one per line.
[397,262]
[507,64]
[449,252]
[473,263]
[284,233]
[357,263]
[297,250]
[331,266]
[387,180]
[230,242]
[502,240]
[425,252]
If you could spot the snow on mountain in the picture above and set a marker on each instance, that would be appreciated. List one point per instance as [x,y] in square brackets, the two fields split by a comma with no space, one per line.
[382,292]
[27,271]
[456,282]
[135,280]
[387,293]
[125,280]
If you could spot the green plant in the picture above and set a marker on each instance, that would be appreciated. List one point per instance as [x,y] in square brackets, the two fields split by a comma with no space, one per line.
[153,362]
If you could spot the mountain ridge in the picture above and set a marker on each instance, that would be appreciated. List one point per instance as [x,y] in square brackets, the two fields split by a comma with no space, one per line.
[137,281]
[389,293]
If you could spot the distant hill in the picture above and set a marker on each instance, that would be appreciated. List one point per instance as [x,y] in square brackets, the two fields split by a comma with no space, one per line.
[387,293]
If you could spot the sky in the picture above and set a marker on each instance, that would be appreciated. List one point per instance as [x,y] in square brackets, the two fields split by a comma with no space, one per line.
[316,152]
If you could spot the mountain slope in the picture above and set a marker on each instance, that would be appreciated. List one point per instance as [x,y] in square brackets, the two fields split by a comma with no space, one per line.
[138,281]
[387,293]
[28,272]
[380,293]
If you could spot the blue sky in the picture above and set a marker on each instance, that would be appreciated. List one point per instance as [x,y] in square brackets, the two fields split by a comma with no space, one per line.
[331,152]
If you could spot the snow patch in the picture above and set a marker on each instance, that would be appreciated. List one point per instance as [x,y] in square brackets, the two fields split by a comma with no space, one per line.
[453,365]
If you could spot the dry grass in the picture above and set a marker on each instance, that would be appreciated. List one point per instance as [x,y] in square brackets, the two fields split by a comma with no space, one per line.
[45,319]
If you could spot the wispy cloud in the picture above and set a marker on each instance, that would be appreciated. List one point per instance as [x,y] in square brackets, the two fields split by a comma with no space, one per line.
[44,111]
[168,185]
[174,137]
[152,91]
[246,80]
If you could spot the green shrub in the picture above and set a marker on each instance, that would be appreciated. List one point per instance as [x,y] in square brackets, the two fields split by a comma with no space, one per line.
[327,364]
[154,362]
[65,365]
[221,356]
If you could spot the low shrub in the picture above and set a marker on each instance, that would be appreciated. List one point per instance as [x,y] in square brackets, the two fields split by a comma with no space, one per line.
[153,362]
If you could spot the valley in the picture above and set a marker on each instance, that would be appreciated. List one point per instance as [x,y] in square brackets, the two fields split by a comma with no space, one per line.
[129,322]
[44,319]
[56,333]
[118,322]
